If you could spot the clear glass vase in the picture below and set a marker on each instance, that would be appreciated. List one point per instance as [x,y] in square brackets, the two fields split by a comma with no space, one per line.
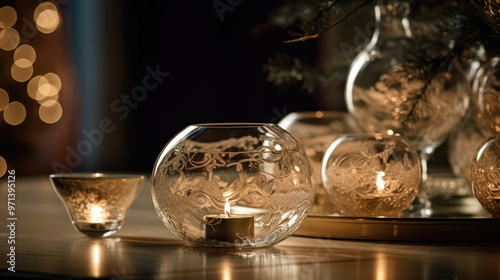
[385,98]
[233,185]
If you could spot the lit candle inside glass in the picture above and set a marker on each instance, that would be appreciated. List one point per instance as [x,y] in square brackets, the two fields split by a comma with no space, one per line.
[96,217]
[96,214]
[380,181]
[228,227]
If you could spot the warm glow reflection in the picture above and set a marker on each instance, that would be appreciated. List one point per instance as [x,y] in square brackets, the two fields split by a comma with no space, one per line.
[380,181]
[319,114]
[24,56]
[21,74]
[8,17]
[382,267]
[3,166]
[50,111]
[4,99]
[9,39]
[46,17]
[96,213]
[96,260]
[14,113]
[226,270]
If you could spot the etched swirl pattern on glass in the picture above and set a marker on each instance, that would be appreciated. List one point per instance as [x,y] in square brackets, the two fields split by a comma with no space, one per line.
[369,175]
[97,205]
[258,171]
[485,175]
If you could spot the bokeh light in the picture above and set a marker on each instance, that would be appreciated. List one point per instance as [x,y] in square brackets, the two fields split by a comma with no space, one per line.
[3,166]
[21,74]
[50,111]
[32,87]
[9,39]
[8,17]
[24,56]
[14,113]
[4,99]
[54,80]
[46,17]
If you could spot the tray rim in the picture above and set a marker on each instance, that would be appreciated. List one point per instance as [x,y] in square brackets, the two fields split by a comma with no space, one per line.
[442,229]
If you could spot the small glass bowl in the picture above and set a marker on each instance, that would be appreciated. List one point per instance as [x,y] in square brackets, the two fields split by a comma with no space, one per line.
[97,203]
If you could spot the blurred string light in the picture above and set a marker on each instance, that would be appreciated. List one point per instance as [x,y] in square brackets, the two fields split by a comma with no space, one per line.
[9,37]
[44,89]
[4,99]
[14,113]
[46,17]
[3,166]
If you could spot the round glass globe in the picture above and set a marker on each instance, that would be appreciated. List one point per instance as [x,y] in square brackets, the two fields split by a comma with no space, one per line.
[371,174]
[233,185]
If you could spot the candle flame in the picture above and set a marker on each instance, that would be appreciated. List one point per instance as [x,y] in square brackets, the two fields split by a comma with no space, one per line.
[96,213]
[227,209]
[380,182]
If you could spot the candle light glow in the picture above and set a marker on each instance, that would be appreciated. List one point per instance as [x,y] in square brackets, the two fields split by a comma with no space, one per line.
[228,228]
[380,181]
[96,213]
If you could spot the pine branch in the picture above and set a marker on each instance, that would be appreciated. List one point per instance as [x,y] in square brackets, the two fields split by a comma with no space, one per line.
[328,15]
[489,12]
[284,72]
[414,67]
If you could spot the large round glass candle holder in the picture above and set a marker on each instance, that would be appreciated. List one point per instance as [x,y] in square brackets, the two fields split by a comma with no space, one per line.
[485,175]
[97,203]
[371,174]
[233,185]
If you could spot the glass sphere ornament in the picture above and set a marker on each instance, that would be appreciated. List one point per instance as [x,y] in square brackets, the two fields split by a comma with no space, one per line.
[233,185]
[485,175]
[371,174]
[316,130]
[97,203]
[486,97]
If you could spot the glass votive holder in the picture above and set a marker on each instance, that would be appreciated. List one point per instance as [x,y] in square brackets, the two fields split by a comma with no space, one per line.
[371,174]
[485,175]
[97,203]
[232,185]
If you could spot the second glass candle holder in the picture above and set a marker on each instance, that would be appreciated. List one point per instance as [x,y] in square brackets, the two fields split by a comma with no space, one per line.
[371,174]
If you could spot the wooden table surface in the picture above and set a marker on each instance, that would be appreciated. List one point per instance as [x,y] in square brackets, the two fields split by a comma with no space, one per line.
[48,247]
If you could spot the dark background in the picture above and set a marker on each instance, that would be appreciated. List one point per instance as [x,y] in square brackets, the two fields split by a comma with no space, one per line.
[215,69]
[102,51]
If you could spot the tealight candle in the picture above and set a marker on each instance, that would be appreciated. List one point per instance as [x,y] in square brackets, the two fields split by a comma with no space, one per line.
[228,227]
